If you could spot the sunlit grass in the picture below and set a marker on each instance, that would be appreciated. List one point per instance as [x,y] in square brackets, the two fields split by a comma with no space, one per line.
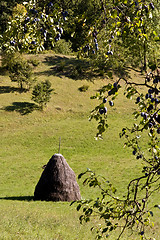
[28,142]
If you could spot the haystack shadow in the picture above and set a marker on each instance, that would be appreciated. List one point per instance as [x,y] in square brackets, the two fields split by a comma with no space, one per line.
[18,198]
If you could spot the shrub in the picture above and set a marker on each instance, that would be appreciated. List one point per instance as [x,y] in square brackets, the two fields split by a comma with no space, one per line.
[41,93]
[84,88]
[63,47]
[34,62]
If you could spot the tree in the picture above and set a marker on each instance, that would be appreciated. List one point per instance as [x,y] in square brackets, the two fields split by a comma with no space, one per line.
[19,69]
[41,24]
[31,29]
[6,8]
[126,28]
[42,93]
[82,15]
[132,211]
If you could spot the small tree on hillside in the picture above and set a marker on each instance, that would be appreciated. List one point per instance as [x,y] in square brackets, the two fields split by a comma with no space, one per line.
[21,72]
[42,93]
[19,69]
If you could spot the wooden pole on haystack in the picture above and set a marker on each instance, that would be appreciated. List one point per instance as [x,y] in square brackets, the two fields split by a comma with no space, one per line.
[59,145]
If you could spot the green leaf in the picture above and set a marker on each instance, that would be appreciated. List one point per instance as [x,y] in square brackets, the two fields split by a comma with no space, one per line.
[106,216]
[158,206]
[156,38]
[109,223]
[111,228]
[114,190]
[80,175]
[72,203]
[100,209]
[154,32]
[118,33]
[109,74]
[118,24]
[87,219]
[78,207]
[151,213]
[89,211]
[81,218]
[105,230]
[114,13]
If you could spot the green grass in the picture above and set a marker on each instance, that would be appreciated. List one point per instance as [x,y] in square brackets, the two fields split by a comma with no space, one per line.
[29,140]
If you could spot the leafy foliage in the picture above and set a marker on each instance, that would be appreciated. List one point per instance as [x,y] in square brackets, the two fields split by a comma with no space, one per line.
[100,112]
[115,213]
[34,62]
[6,8]
[133,209]
[19,69]
[31,29]
[42,93]
[63,47]
[125,33]
[136,40]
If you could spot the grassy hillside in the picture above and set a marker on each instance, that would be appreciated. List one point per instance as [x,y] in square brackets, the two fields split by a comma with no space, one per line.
[30,137]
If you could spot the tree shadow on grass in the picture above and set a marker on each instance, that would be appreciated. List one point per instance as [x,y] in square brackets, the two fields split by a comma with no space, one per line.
[18,198]
[22,107]
[56,59]
[3,71]
[8,89]
[76,69]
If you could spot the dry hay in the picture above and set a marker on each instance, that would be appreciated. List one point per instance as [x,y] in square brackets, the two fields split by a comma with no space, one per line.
[57,182]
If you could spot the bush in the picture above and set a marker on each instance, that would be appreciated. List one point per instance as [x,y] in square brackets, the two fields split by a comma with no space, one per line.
[34,62]
[63,47]
[84,88]
[42,93]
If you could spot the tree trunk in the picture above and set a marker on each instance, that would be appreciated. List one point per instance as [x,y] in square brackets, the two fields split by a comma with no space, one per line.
[21,86]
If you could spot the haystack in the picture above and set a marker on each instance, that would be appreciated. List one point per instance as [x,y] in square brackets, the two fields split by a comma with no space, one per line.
[57,182]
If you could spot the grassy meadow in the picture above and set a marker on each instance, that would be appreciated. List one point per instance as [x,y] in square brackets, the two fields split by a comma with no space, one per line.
[30,137]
